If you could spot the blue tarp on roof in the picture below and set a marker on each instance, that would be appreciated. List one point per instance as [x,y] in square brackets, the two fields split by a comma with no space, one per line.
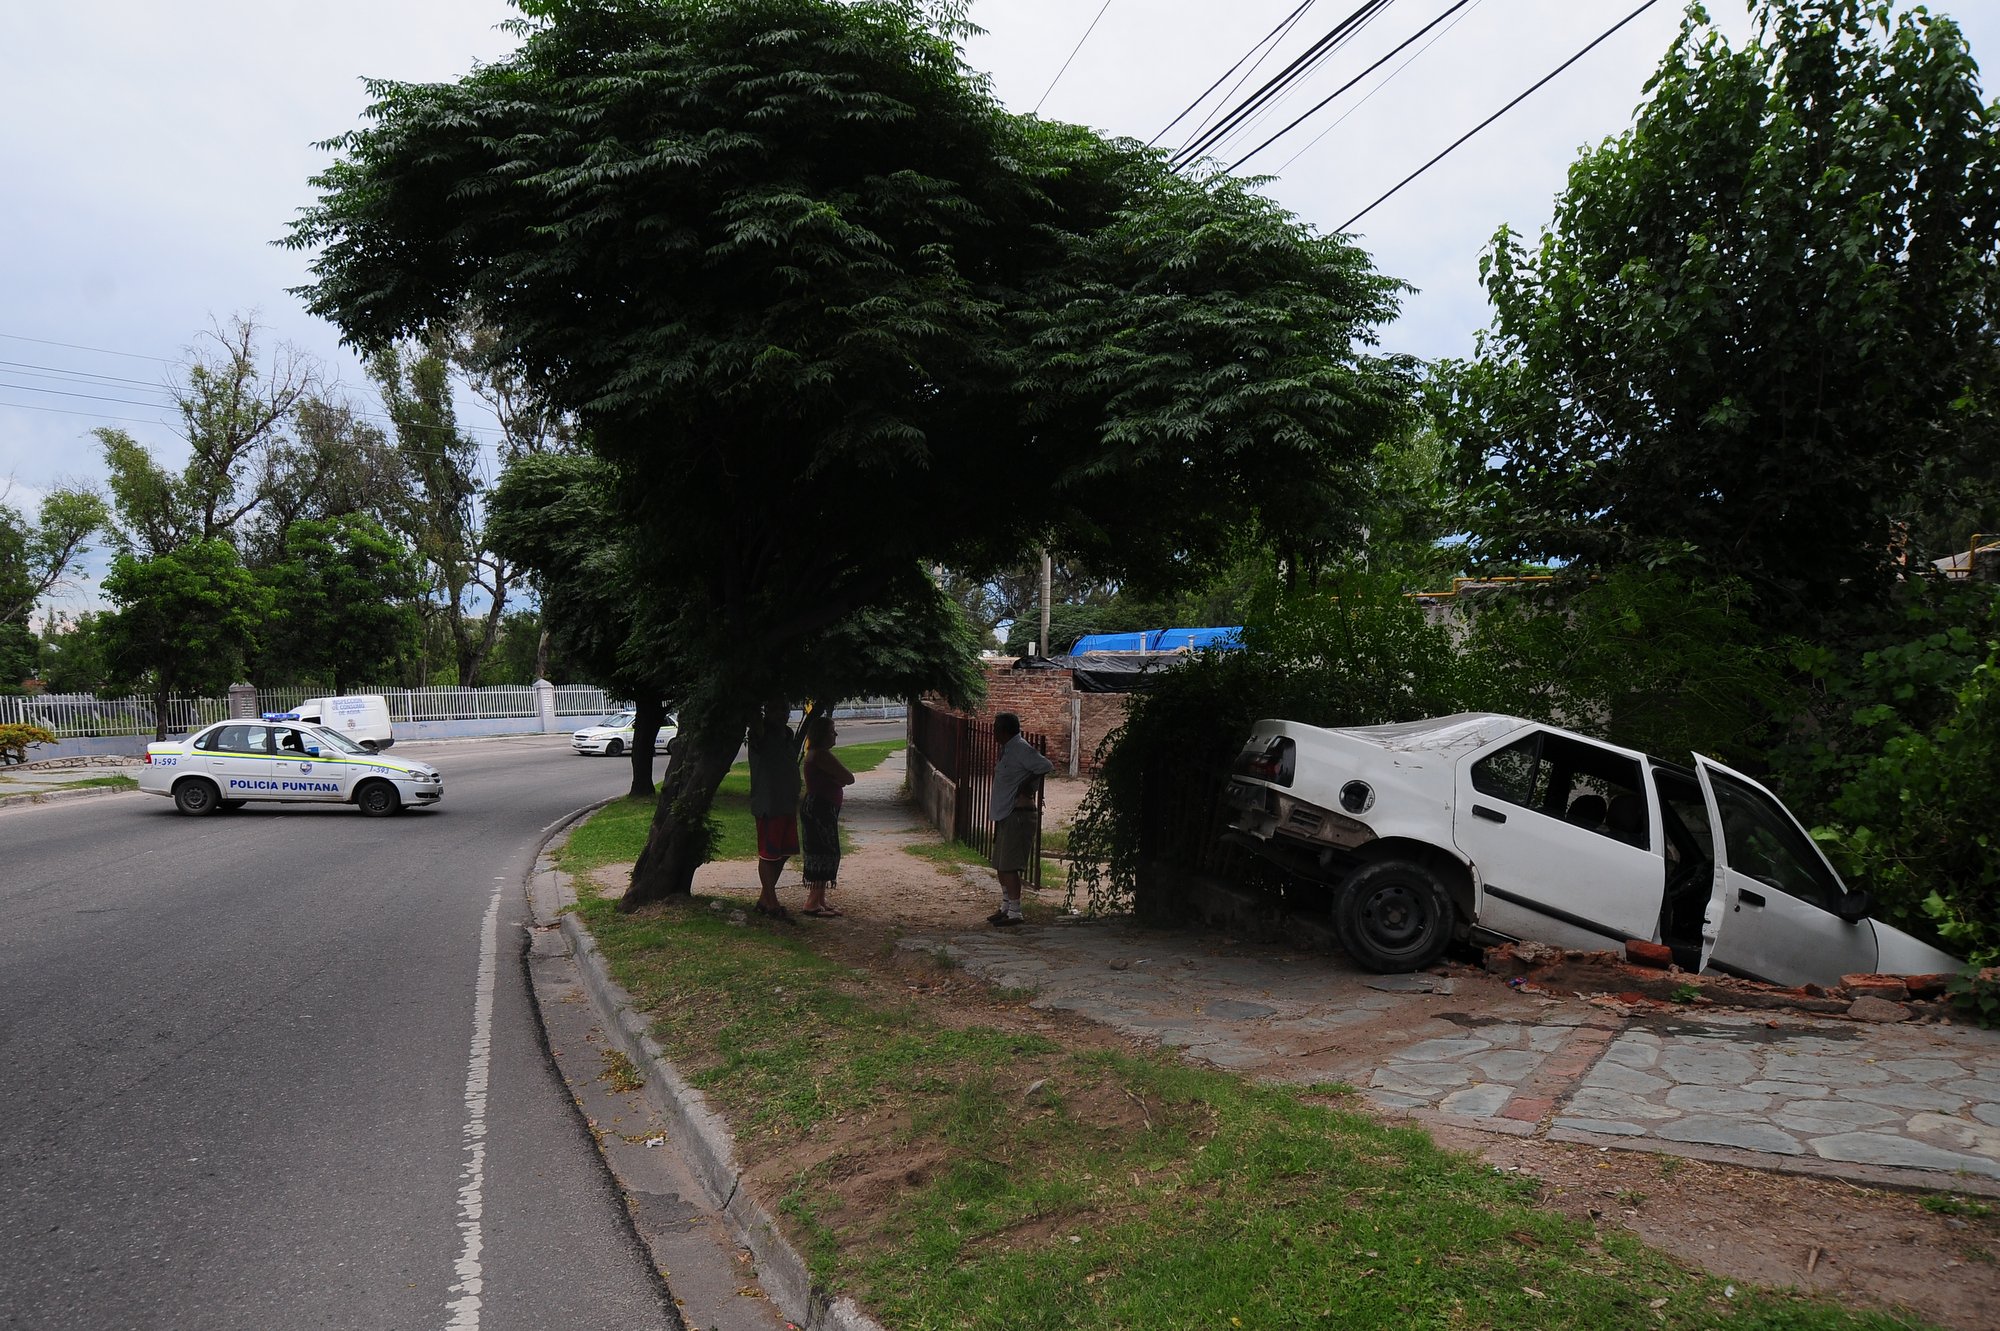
[1161,640]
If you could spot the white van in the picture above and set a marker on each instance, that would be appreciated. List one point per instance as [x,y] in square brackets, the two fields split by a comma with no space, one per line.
[362,717]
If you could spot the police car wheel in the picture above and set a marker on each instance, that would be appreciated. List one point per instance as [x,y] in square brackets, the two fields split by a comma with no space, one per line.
[196,797]
[614,748]
[231,806]
[377,799]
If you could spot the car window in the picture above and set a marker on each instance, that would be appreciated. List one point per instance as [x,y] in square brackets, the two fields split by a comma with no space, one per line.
[333,739]
[1583,784]
[236,739]
[1510,773]
[1764,843]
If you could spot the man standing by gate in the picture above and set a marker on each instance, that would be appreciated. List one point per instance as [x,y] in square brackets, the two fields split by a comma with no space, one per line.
[1016,813]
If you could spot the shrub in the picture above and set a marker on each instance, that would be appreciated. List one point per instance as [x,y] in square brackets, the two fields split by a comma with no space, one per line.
[1916,823]
[15,741]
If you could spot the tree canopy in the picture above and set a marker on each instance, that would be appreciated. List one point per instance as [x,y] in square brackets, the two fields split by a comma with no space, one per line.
[1759,336]
[833,316]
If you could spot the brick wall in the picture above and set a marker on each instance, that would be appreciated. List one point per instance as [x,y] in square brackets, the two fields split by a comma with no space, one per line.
[1042,699]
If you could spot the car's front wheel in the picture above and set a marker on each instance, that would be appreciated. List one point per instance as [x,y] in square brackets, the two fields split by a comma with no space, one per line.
[377,799]
[614,748]
[1394,915]
[231,806]
[197,796]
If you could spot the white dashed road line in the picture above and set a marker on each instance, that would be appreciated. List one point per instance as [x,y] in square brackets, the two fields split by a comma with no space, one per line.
[471,1280]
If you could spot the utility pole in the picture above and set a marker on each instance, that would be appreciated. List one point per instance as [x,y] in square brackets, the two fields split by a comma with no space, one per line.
[1045,600]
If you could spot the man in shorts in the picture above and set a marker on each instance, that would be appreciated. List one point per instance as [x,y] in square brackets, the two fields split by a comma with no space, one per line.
[774,800]
[1016,811]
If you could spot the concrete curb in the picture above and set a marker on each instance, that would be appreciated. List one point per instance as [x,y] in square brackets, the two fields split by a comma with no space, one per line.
[704,1140]
[53,796]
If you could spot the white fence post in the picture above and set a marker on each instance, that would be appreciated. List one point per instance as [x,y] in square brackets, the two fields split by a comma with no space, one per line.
[545,705]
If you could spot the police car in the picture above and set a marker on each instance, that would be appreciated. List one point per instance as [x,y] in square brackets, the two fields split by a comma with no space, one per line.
[614,735]
[231,762]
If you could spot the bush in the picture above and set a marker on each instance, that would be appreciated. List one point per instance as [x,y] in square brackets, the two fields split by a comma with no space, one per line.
[1916,824]
[15,740]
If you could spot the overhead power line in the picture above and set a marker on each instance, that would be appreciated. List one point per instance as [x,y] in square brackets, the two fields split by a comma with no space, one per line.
[1278,84]
[1387,80]
[1266,43]
[1072,56]
[1601,38]
[1337,92]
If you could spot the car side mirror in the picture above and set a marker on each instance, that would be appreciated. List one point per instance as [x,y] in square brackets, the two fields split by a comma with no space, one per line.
[1856,907]
[370,745]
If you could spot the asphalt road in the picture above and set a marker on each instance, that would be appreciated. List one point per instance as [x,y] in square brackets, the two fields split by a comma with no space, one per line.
[281,1068]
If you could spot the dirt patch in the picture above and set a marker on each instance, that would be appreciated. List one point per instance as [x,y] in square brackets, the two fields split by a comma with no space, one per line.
[1857,1246]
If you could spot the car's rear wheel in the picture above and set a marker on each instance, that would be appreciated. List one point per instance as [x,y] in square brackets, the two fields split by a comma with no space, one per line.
[614,748]
[197,796]
[1394,915]
[377,799]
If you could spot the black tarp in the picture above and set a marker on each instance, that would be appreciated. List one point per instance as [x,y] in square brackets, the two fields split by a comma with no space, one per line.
[1120,672]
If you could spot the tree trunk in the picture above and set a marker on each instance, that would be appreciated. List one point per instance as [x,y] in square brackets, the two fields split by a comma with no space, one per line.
[647,716]
[677,845]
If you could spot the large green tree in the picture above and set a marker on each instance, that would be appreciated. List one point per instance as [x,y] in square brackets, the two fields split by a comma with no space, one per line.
[833,317]
[1760,335]
[344,599]
[186,621]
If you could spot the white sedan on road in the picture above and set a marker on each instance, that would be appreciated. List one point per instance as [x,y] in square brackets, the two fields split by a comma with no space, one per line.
[231,762]
[614,735]
[1493,827]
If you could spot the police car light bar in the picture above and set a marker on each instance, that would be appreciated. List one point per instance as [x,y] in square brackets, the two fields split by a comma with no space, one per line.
[280,716]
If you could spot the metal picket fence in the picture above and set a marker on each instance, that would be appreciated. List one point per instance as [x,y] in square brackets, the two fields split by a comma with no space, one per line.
[451,703]
[962,751]
[87,716]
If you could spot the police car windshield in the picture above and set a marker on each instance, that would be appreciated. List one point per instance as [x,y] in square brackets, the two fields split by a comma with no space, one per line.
[617,720]
[334,739]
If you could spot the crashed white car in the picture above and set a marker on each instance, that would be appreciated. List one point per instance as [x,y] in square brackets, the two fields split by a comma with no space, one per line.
[614,735]
[1490,828]
[231,762]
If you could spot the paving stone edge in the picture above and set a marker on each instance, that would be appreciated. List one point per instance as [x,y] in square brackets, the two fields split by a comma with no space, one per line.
[704,1140]
[1891,1178]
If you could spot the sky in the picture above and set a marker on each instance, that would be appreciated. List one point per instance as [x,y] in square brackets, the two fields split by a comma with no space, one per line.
[155,152]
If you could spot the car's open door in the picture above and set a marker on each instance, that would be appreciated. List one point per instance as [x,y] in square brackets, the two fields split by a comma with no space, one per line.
[1778,911]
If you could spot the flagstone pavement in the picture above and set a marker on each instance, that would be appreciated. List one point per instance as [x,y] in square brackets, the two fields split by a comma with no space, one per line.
[1912,1104]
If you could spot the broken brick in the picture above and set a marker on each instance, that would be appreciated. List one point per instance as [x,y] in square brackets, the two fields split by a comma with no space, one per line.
[1890,987]
[1657,955]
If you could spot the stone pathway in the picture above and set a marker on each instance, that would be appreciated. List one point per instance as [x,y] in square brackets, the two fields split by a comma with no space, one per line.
[1852,1098]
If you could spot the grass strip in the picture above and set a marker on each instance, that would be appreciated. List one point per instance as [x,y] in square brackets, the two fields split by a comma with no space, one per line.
[987,1176]
[617,833]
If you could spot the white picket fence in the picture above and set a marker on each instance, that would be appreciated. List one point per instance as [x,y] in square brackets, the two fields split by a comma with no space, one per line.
[450,703]
[86,716]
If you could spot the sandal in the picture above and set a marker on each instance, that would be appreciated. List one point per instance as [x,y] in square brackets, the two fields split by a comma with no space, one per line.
[778,913]
[825,913]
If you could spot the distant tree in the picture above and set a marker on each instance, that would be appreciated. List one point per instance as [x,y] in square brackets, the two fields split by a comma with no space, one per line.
[36,556]
[73,653]
[784,258]
[334,463]
[1761,317]
[344,603]
[468,583]
[186,621]
[234,414]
